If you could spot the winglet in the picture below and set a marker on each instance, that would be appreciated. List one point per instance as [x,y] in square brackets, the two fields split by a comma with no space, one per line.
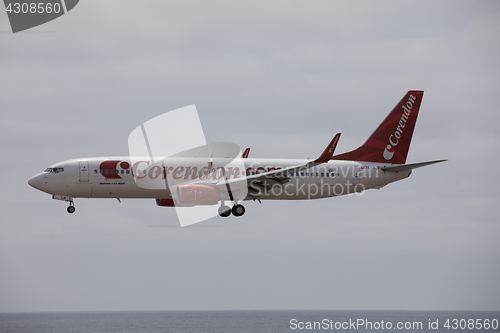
[245,154]
[330,149]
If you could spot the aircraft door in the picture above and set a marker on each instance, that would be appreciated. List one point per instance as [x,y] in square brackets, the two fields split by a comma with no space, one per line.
[358,173]
[84,171]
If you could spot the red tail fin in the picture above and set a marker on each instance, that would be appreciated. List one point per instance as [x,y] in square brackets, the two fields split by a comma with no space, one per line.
[391,140]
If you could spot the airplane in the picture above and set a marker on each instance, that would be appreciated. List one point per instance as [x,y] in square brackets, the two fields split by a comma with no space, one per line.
[196,181]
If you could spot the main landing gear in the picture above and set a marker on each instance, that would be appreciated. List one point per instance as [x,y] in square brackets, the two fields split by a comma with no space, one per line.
[237,210]
[224,211]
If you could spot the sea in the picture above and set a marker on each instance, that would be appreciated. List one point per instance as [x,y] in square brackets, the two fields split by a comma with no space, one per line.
[251,321]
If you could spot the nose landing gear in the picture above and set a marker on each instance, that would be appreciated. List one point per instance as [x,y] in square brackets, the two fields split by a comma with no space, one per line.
[71,208]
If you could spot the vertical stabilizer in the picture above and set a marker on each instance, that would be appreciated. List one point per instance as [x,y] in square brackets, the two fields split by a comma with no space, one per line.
[391,140]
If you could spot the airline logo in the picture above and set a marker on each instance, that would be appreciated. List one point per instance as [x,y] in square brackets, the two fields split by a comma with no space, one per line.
[113,169]
[394,138]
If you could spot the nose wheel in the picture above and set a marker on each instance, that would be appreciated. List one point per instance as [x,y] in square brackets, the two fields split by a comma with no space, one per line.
[71,208]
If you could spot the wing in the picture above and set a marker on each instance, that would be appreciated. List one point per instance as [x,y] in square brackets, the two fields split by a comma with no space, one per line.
[280,176]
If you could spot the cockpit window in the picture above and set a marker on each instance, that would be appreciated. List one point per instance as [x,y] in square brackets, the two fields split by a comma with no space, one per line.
[54,170]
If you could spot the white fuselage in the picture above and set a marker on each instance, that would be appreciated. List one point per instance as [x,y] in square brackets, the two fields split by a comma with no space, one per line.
[117,177]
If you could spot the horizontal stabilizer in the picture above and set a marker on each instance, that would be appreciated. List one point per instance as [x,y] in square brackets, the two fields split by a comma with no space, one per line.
[404,167]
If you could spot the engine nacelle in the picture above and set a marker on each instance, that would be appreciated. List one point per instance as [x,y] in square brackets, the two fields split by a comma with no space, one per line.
[165,202]
[197,194]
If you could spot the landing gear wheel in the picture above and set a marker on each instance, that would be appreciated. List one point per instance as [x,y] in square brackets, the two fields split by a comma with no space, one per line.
[238,210]
[224,211]
[71,209]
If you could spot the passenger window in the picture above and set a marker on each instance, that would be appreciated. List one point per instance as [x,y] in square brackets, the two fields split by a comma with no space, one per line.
[111,171]
[123,171]
[101,171]
[106,171]
[322,174]
[127,172]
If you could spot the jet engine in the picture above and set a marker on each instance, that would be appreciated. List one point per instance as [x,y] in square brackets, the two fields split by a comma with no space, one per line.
[165,202]
[197,194]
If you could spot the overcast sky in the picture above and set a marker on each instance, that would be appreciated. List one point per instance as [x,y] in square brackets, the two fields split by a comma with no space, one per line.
[281,77]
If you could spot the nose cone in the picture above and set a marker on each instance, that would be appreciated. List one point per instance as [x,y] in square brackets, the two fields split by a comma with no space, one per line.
[36,181]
